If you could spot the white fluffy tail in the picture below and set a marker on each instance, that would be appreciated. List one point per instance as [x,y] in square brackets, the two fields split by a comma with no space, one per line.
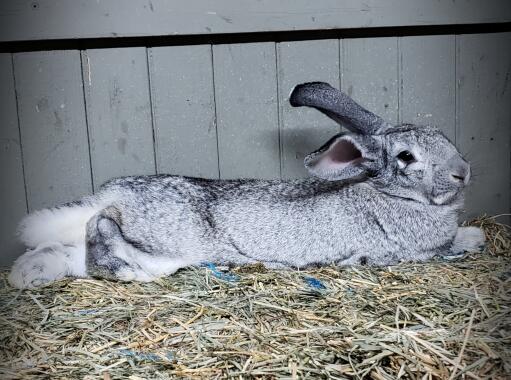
[63,224]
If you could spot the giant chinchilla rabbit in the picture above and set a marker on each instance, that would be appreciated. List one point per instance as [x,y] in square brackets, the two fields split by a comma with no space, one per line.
[379,195]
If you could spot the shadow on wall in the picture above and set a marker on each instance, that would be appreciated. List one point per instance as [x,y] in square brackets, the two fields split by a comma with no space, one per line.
[296,143]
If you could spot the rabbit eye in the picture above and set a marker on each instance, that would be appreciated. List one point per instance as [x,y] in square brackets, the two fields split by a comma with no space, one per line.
[406,157]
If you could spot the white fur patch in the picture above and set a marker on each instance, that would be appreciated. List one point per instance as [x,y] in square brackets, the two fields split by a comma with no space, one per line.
[443,198]
[47,263]
[64,224]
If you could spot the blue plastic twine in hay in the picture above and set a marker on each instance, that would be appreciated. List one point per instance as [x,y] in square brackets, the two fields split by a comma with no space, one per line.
[314,283]
[229,277]
[145,355]
[86,312]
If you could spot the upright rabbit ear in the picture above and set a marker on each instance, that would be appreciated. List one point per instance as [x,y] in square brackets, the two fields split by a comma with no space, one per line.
[344,157]
[338,106]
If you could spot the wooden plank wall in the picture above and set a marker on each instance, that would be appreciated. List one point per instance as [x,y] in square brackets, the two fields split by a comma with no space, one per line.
[72,119]
[118,112]
[63,19]
[13,201]
[184,120]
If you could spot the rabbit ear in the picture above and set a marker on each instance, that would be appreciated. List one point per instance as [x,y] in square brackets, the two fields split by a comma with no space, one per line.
[343,157]
[338,106]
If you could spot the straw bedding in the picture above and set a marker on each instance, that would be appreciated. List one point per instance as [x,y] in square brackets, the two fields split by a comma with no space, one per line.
[447,319]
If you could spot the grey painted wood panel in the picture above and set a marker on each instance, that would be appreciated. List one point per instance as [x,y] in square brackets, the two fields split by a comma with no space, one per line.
[484,119]
[53,128]
[12,188]
[184,110]
[428,77]
[118,113]
[53,19]
[369,73]
[247,113]
[303,130]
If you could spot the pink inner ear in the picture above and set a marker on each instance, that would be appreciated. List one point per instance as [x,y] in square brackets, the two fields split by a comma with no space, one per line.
[340,154]
[343,151]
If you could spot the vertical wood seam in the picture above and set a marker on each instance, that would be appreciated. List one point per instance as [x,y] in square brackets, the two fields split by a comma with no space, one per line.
[399,81]
[342,65]
[339,57]
[215,108]
[153,127]
[82,69]
[19,133]
[456,92]
[340,53]
[279,108]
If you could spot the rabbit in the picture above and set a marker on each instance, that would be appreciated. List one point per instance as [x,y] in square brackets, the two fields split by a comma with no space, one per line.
[377,195]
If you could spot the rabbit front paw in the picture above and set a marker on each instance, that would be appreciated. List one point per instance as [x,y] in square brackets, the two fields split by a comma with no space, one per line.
[468,239]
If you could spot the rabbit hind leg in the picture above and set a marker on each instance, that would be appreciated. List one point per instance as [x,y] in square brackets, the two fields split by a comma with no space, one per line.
[110,256]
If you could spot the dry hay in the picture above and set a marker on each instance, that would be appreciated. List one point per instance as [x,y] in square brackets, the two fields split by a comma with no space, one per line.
[446,319]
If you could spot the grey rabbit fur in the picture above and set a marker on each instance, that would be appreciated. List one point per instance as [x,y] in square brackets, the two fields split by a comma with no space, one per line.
[378,195]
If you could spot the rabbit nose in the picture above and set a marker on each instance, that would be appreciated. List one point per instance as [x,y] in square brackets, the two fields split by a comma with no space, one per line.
[459,170]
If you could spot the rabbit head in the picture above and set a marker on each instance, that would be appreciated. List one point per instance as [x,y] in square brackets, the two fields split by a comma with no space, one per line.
[408,161]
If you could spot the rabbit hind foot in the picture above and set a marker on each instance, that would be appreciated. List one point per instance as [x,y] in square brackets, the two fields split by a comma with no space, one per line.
[48,262]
